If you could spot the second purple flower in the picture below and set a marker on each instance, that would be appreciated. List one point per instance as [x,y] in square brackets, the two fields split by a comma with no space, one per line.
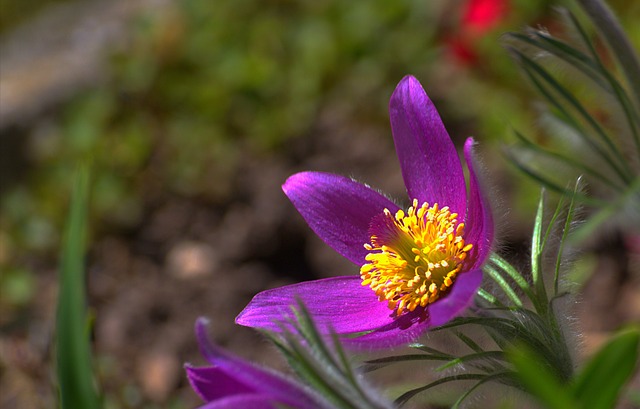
[419,267]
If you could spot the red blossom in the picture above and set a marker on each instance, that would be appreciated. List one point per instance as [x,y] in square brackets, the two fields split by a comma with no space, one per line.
[480,16]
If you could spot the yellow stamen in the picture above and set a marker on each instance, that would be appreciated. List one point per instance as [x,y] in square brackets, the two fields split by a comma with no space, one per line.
[417,260]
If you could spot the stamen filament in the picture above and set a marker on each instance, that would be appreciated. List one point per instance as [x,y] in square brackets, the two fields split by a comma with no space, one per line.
[414,257]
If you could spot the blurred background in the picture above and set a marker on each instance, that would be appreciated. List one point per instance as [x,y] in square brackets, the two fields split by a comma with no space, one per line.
[192,113]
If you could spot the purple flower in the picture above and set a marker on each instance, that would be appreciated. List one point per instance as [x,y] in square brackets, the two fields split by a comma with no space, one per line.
[232,382]
[419,267]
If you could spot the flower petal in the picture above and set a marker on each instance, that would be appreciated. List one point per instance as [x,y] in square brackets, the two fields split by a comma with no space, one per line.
[337,209]
[213,383]
[260,380]
[459,298]
[430,165]
[479,220]
[250,401]
[409,327]
[341,304]
[403,330]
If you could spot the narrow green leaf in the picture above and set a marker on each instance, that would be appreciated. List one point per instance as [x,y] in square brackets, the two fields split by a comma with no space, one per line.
[549,184]
[536,257]
[551,224]
[621,94]
[504,285]
[74,367]
[481,382]
[563,239]
[593,67]
[564,52]
[309,332]
[478,356]
[573,102]
[536,74]
[405,397]
[428,349]
[599,384]
[375,364]
[468,342]
[490,298]
[511,271]
[606,213]
[613,33]
[323,364]
[556,157]
[539,381]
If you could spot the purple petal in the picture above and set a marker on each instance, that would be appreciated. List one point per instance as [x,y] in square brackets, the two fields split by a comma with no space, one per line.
[410,327]
[213,383]
[251,401]
[337,209]
[254,378]
[479,220]
[341,304]
[430,165]
[403,330]
[459,298]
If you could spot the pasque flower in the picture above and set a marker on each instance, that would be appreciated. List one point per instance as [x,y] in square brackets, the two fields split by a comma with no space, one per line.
[419,267]
[231,382]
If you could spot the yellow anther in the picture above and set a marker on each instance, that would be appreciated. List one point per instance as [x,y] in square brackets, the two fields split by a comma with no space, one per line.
[416,257]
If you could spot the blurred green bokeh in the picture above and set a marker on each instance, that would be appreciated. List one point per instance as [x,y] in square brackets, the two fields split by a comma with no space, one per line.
[202,83]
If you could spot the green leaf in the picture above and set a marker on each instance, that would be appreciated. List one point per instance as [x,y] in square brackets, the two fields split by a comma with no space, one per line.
[554,159]
[490,298]
[608,212]
[504,285]
[564,52]
[375,364]
[548,183]
[468,392]
[74,368]
[545,83]
[405,397]
[539,381]
[491,356]
[512,272]
[598,385]
[536,257]
[323,364]
[563,239]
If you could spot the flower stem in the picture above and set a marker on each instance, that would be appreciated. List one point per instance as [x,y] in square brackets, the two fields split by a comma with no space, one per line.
[610,28]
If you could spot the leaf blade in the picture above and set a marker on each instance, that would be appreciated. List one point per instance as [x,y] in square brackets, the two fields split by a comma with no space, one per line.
[73,363]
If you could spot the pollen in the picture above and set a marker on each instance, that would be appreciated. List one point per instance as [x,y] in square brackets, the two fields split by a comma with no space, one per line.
[414,256]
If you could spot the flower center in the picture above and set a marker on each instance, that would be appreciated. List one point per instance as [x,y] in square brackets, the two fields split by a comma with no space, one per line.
[415,257]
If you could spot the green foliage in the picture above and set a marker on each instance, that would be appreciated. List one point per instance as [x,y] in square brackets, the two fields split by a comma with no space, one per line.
[193,94]
[73,358]
[597,386]
[324,365]
[541,382]
[590,118]
[506,318]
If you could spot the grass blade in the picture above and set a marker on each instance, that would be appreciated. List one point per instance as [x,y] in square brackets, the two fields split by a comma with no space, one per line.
[536,257]
[74,368]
